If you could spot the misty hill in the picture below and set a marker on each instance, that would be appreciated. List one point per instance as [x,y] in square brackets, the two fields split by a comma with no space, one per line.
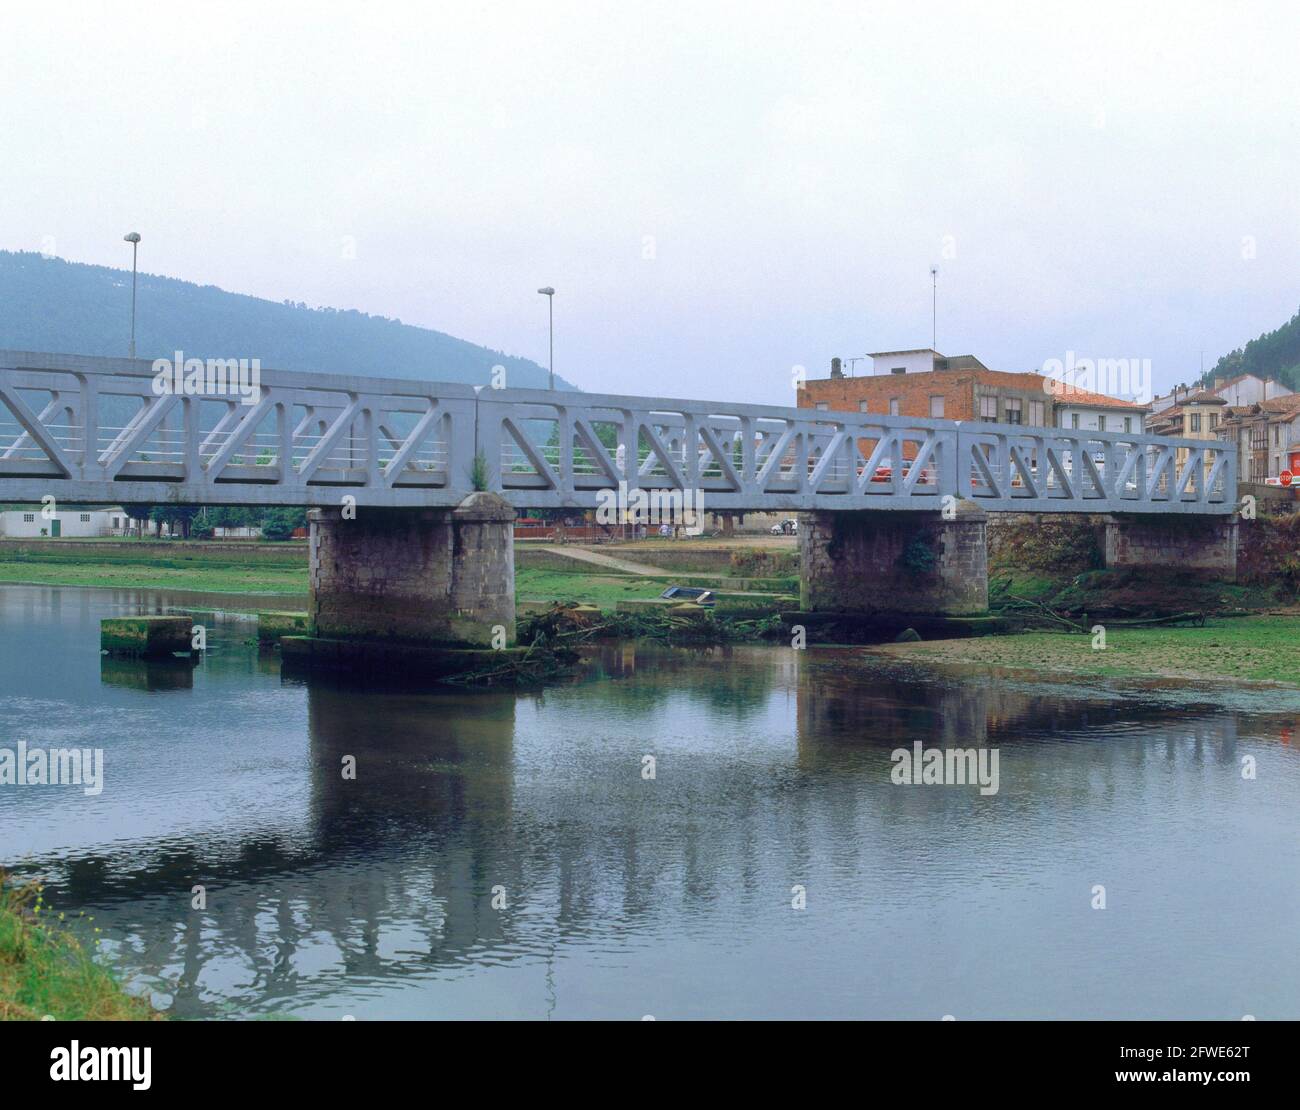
[1275,354]
[47,304]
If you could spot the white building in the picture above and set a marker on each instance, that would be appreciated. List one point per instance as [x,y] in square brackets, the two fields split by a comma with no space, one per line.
[74,523]
[919,360]
[1111,415]
[1244,389]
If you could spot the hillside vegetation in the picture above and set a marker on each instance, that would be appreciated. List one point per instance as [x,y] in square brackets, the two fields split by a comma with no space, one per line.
[47,304]
[1275,354]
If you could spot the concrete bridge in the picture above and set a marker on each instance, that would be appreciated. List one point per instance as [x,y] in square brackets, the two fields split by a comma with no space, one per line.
[414,483]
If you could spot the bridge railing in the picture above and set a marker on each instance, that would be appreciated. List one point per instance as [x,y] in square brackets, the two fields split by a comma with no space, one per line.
[95,430]
[92,428]
[751,456]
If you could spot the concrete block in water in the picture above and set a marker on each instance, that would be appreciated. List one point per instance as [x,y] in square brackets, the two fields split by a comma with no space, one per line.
[391,661]
[146,636]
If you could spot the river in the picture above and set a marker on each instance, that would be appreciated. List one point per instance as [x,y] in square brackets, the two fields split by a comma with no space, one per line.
[508,855]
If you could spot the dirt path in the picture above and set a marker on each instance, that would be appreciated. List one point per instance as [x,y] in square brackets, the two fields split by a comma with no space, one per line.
[596,559]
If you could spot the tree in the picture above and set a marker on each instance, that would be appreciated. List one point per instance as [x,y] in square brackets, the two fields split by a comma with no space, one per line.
[178,518]
[278,524]
[138,512]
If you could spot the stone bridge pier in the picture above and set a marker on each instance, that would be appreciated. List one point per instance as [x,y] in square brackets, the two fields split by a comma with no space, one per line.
[416,577]
[875,561]
[1173,541]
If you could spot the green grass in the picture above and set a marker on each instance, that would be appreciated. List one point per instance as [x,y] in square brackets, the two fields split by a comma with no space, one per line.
[161,566]
[595,589]
[1257,649]
[46,971]
[260,571]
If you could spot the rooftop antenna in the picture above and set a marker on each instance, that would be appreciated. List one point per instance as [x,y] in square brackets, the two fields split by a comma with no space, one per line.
[934,306]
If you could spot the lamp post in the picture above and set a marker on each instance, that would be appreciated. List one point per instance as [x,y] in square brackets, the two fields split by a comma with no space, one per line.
[134,239]
[934,304]
[549,294]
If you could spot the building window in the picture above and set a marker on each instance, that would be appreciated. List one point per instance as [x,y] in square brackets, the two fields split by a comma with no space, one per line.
[822,406]
[862,406]
[936,406]
[1128,423]
[85,518]
[1277,434]
[1013,410]
[989,408]
[1074,420]
[1037,414]
[1101,422]
[1194,422]
[1214,420]
[29,518]
[893,406]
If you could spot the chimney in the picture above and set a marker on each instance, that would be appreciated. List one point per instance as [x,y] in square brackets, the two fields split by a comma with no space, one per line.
[1218,383]
[837,369]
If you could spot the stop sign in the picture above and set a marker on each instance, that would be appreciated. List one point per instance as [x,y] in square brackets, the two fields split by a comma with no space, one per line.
[1285,477]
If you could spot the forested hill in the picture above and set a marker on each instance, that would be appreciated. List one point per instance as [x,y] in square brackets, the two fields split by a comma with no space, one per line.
[47,304]
[1275,354]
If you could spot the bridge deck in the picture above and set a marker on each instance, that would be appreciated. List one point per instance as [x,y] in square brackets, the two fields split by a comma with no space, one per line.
[101,430]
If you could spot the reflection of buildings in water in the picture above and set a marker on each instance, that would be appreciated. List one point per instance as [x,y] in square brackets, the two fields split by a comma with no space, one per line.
[844,712]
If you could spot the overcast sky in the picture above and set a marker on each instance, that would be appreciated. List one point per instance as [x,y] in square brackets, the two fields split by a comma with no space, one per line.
[718,193]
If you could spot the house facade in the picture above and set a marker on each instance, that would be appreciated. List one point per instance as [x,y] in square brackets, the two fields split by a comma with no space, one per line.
[927,384]
[1198,416]
[1266,436]
[1239,392]
[32,522]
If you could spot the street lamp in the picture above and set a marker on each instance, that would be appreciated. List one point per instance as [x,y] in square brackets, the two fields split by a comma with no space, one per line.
[549,293]
[134,239]
[934,305]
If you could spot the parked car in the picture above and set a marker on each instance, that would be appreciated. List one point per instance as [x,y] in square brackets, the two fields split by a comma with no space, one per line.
[788,527]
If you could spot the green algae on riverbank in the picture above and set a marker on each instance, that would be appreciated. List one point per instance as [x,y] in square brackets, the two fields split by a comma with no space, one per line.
[1252,649]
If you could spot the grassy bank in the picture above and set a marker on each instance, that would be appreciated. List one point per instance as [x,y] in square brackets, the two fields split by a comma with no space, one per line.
[226,568]
[268,569]
[604,591]
[45,971]
[211,574]
[1256,649]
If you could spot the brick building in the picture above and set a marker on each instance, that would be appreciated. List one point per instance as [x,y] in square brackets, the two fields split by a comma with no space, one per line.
[925,383]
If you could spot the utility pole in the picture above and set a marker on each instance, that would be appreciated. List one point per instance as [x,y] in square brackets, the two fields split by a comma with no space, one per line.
[934,307]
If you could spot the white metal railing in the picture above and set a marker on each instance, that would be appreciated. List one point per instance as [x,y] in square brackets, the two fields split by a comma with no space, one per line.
[312,438]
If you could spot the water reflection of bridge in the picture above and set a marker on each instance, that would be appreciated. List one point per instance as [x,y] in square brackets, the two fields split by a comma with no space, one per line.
[392,873]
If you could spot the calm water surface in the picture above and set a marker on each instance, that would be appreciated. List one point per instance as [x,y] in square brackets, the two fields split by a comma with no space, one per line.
[671,897]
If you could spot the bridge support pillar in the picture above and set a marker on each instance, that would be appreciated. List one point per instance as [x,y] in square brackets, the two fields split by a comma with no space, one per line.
[415,576]
[1174,542]
[881,561]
